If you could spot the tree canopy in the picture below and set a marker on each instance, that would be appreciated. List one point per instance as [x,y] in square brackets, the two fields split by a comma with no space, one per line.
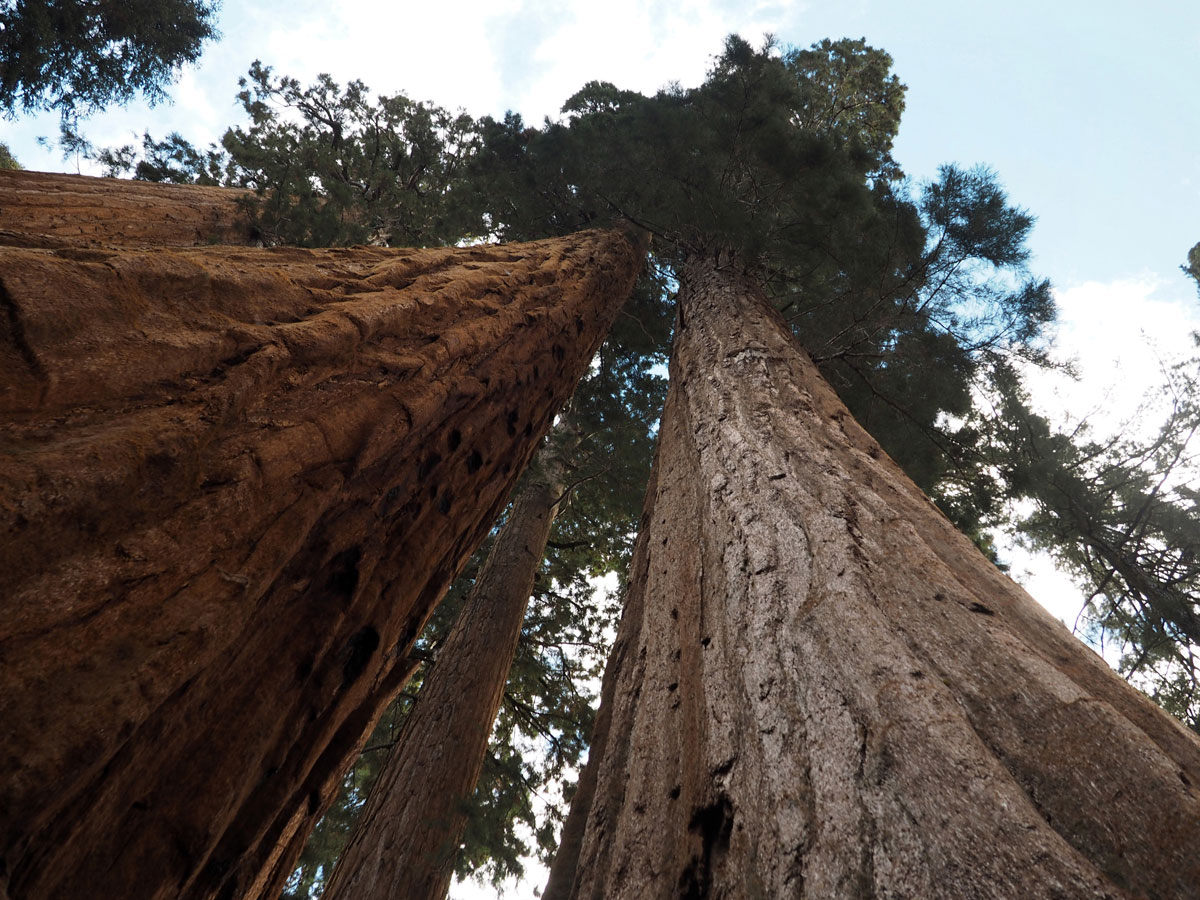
[78,57]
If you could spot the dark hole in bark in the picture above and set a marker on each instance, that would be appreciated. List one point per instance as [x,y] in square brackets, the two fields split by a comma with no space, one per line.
[343,572]
[359,650]
[160,464]
[444,504]
[579,326]
[231,361]
[980,608]
[673,793]
[455,439]
[214,870]
[529,430]
[474,461]
[672,686]
[512,422]
[427,465]
[713,823]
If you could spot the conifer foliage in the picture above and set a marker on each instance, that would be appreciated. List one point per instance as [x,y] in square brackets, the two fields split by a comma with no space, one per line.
[77,57]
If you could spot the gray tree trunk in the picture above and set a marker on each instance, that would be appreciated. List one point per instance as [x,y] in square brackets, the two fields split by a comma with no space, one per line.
[821,689]
[405,843]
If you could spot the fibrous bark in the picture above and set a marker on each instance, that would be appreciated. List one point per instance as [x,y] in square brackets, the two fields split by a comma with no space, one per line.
[233,483]
[40,209]
[821,689]
[406,841]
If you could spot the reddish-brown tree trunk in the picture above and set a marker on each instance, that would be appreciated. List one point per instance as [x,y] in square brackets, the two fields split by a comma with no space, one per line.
[821,689]
[405,844]
[41,209]
[233,483]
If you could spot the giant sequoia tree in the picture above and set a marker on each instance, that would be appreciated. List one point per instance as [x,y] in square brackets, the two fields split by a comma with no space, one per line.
[822,689]
[234,484]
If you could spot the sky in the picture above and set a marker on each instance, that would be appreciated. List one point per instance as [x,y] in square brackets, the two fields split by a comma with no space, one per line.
[1088,111]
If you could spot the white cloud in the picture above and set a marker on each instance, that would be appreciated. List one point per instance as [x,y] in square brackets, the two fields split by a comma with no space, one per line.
[1119,335]
[634,44]
[525,55]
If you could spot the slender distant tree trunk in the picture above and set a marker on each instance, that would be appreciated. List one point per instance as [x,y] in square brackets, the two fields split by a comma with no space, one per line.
[821,689]
[405,844]
[233,484]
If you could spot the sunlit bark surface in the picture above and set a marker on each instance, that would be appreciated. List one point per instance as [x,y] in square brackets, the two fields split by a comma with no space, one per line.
[821,689]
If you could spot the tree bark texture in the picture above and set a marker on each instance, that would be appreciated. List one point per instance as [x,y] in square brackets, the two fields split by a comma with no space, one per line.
[233,484]
[405,844]
[821,689]
[40,209]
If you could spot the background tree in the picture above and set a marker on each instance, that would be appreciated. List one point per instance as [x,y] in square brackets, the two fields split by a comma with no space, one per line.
[1119,513]
[330,166]
[77,57]
[1192,267]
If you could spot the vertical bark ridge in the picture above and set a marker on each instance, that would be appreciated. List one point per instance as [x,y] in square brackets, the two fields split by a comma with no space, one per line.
[881,712]
[240,486]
